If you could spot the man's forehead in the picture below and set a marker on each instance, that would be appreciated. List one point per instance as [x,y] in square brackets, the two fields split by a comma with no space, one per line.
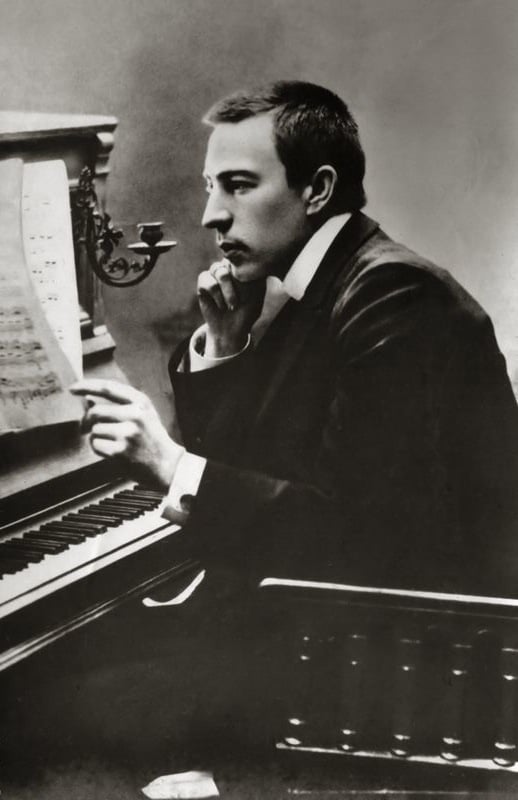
[245,145]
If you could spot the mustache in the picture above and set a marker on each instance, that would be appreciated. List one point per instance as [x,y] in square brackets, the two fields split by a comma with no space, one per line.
[229,245]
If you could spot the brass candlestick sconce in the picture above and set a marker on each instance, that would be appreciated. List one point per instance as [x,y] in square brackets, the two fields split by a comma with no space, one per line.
[97,239]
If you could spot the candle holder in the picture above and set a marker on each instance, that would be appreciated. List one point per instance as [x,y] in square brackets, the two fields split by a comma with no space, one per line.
[97,239]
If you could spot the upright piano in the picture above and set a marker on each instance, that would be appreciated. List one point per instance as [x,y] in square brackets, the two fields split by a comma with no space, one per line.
[77,540]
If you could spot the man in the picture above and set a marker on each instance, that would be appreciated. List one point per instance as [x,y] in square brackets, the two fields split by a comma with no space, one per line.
[371,434]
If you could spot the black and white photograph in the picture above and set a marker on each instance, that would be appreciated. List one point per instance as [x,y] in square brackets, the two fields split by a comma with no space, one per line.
[258,399]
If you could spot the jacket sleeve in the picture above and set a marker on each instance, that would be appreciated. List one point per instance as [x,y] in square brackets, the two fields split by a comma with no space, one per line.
[199,395]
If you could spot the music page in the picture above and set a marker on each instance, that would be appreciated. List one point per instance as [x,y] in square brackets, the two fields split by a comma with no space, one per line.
[49,252]
[34,371]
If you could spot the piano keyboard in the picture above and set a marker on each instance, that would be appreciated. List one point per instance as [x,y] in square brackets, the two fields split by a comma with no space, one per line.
[50,550]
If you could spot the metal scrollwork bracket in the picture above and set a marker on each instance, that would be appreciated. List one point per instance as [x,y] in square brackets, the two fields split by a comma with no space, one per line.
[96,236]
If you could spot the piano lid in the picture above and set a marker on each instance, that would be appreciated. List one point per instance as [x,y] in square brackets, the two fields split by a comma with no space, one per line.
[18,126]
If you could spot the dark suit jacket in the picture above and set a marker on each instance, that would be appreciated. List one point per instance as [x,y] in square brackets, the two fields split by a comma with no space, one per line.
[372,435]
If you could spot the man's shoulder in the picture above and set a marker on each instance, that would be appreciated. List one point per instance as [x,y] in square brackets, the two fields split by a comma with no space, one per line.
[382,264]
[382,252]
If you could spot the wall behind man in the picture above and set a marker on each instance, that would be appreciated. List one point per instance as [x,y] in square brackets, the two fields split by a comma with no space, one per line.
[432,84]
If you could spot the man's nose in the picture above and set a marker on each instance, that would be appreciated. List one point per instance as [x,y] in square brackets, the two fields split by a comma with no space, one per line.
[216,214]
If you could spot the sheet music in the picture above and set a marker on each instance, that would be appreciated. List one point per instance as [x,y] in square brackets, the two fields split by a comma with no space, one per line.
[49,252]
[34,372]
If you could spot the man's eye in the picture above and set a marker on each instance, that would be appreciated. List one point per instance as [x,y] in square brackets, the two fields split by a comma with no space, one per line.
[240,186]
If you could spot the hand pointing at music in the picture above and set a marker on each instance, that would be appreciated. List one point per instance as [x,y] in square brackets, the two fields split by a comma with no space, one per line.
[124,425]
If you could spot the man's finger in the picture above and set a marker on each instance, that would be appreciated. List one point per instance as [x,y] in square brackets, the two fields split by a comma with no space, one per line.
[106,430]
[110,390]
[208,288]
[220,271]
[102,412]
[106,447]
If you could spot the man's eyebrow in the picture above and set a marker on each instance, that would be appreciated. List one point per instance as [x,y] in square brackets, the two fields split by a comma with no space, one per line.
[231,173]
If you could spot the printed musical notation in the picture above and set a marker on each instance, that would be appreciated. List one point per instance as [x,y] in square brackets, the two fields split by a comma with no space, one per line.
[16,351]
[25,389]
[49,252]
[34,370]
[12,320]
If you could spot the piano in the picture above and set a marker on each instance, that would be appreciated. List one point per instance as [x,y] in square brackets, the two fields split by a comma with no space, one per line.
[77,540]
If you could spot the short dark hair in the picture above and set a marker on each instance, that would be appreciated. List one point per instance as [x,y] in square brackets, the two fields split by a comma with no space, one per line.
[312,126]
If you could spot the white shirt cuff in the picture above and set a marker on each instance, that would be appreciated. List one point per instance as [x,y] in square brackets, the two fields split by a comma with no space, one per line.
[198,360]
[186,482]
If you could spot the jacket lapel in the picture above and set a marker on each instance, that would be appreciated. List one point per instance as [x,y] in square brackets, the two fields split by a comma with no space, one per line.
[289,332]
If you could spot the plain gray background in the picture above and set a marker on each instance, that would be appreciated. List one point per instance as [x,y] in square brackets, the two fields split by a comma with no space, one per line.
[431,82]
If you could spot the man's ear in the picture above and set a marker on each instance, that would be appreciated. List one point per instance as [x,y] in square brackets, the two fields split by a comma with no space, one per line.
[318,194]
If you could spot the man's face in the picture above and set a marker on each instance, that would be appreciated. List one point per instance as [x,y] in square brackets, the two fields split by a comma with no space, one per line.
[260,222]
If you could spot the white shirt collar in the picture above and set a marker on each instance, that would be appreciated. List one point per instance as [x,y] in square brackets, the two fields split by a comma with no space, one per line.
[303,269]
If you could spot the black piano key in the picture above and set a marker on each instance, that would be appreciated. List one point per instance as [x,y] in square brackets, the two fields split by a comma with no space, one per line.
[46,545]
[8,567]
[108,505]
[122,513]
[135,494]
[17,558]
[138,505]
[72,537]
[16,544]
[120,504]
[57,545]
[11,567]
[79,525]
[37,539]
[143,505]
[102,516]
[61,527]
[20,554]
[62,536]
[96,524]
[67,539]
[120,499]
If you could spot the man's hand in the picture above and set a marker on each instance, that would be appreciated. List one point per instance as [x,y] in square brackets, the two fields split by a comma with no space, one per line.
[229,308]
[123,424]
